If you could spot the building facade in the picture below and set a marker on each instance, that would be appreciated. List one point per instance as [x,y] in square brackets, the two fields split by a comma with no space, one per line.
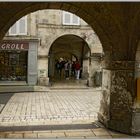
[34,43]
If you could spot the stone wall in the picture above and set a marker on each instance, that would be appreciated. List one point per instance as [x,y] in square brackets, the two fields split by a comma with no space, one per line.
[136,106]
[48,27]
[118,95]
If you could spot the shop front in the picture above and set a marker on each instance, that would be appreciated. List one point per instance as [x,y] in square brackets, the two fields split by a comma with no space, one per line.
[16,62]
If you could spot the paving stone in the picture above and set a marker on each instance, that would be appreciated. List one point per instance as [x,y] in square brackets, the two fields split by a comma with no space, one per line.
[15,136]
[30,135]
[59,105]
[99,137]
[54,107]
[19,132]
[78,130]
[100,132]
[79,134]
[71,138]
[2,135]
[45,131]
[8,132]
[58,131]
[50,135]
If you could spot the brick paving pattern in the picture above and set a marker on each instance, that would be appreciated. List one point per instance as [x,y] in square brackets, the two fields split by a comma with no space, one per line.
[54,106]
[67,134]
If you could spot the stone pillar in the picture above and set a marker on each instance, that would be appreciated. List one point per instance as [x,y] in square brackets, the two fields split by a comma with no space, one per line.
[43,79]
[136,107]
[85,69]
[32,63]
[118,93]
[94,66]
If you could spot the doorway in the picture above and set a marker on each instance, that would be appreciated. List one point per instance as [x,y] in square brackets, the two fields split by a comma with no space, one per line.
[68,49]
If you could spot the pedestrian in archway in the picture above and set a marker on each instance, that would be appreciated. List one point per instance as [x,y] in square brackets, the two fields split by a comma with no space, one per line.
[62,63]
[58,69]
[66,67]
[77,69]
[70,68]
[73,69]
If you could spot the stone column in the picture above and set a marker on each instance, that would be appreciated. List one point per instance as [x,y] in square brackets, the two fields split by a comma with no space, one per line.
[32,63]
[118,93]
[43,78]
[94,66]
[136,107]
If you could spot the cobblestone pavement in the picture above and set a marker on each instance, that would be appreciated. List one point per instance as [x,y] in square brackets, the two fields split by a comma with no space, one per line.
[54,107]
[66,134]
[51,107]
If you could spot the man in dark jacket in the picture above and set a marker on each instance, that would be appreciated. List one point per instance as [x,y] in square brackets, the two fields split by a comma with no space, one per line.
[77,69]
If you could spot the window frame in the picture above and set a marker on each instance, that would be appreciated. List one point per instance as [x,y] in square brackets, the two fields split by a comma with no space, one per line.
[18,27]
[71,19]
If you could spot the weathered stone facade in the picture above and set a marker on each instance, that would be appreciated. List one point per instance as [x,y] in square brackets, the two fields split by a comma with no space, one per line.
[136,105]
[117,26]
[46,25]
[118,95]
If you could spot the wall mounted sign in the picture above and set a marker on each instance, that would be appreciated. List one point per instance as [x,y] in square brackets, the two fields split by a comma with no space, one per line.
[14,45]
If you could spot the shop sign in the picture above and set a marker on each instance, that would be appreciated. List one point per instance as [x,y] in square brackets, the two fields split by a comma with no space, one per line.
[14,45]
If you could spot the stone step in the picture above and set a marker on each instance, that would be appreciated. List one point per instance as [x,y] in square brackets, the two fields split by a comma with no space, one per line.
[14,88]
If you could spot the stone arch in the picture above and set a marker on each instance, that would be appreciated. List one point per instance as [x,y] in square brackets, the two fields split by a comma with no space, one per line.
[110,31]
[67,34]
[69,45]
[134,33]
[78,9]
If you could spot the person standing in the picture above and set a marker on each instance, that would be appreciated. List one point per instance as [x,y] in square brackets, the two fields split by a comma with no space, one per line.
[61,63]
[70,68]
[66,67]
[73,68]
[77,69]
[57,68]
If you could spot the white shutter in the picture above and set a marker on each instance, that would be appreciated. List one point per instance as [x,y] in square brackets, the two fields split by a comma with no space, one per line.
[20,27]
[13,29]
[75,20]
[70,19]
[66,18]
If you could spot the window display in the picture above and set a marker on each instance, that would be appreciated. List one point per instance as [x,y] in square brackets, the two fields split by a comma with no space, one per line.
[13,65]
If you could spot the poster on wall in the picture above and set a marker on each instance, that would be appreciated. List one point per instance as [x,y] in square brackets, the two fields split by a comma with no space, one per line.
[13,59]
[42,73]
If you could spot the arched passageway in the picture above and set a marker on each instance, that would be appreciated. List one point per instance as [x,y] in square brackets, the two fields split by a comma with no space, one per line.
[69,48]
[66,46]
[111,22]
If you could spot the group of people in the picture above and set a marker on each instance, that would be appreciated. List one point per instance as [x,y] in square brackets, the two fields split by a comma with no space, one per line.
[68,68]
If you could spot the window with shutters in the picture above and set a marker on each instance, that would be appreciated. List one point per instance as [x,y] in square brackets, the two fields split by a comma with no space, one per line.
[20,27]
[70,19]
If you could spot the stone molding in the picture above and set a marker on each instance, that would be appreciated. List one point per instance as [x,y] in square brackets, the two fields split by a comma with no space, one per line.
[43,56]
[96,56]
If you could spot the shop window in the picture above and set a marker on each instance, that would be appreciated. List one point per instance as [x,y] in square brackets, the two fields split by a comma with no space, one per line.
[13,65]
[70,19]
[20,27]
